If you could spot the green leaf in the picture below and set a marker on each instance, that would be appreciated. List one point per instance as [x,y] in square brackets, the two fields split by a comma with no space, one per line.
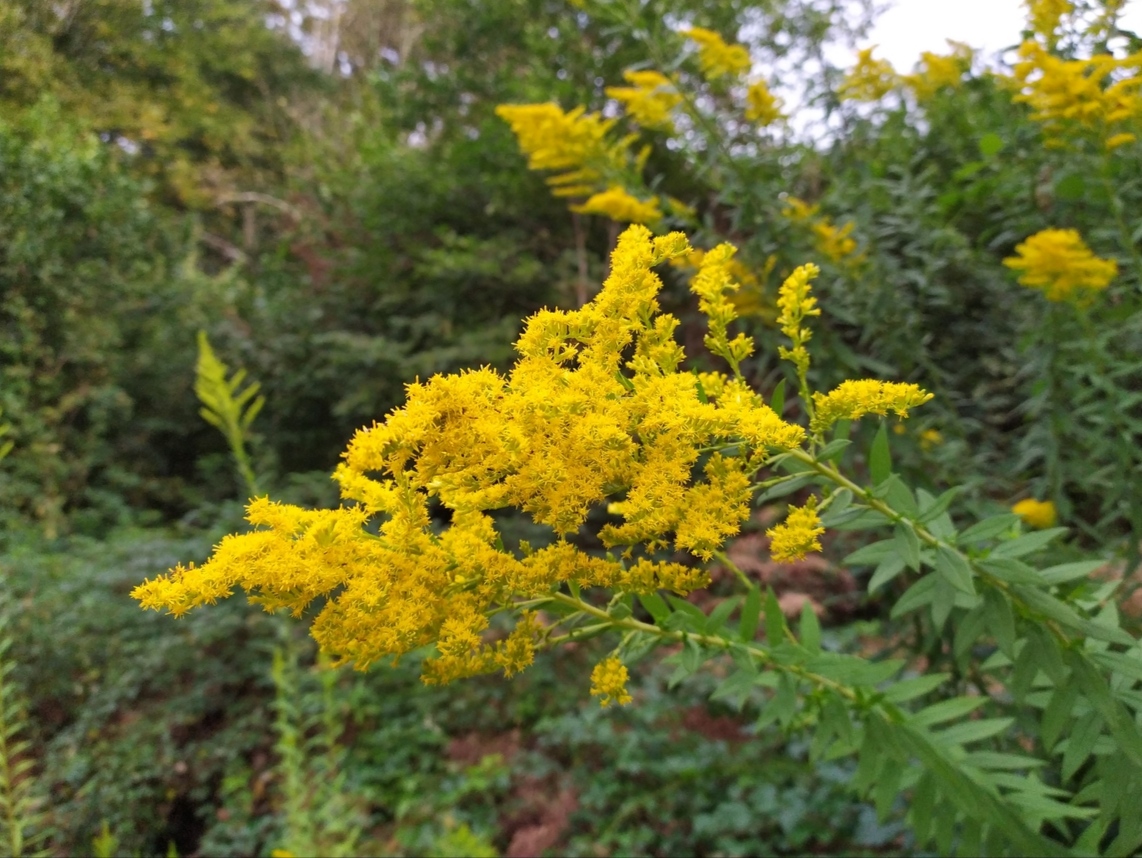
[909,689]
[656,607]
[920,812]
[889,568]
[852,670]
[736,687]
[810,629]
[908,545]
[973,731]
[1000,621]
[879,457]
[947,710]
[1071,187]
[929,511]
[917,596]
[998,761]
[989,528]
[777,400]
[871,554]
[1070,571]
[1058,714]
[833,449]
[750,615]
[774,620]
[990,144]
[1027,543]
[717,619]
[785,487]
[954,569]
[1080,743]
[1010,570]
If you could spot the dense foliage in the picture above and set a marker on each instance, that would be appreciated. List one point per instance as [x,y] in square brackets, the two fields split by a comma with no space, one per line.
[233,231]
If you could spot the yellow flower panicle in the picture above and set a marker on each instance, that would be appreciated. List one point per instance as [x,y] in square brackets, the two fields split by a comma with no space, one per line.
[937,72]
[649,100]
[1036,513]
[717,58]
[1044,17]
[869,80]
[593,412]
[834,242]
[853,399]
[797,535]
[609,682]
[796,303]
[1058,263]
[618,205]
[1094,95]
[761,105]
[711,284]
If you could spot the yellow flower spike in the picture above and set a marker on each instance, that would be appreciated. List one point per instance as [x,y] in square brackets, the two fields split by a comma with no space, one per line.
[649,100]
[1059,264]
[616,204]
[797,535]
[609,682]
[854,399]
[936,72]
[1044,17]
[1036,513]
[717,58]
[762,106]
[869,80]
[796,303]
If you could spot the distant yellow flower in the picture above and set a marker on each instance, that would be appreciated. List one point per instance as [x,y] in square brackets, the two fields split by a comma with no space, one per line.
[618,205]
[762,106]
[1044,16]
[717,58]
[796,303]
[1036,513]
[834,242]
[1093,94]
[797,535]
[649,100]
[853,399]
[870,79]
[609,682]
[936,72]
[1058,263]
[798,210]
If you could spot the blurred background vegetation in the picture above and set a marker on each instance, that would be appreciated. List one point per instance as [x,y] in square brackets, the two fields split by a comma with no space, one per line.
[325,190]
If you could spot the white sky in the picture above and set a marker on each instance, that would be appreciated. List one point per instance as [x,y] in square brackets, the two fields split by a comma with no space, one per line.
[912,26]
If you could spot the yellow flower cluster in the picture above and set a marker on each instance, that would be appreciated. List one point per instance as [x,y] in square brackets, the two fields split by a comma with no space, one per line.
[797,535]
[616,204]
[716,57]
[650,99]
[869,80]
[853,399]
[711,284]
[832,241]
[609,682]
[1036,513]
[1094,94]
[594,411]
[1044,17]
[761,105]
[1058,262]
[796,304]
[936,72]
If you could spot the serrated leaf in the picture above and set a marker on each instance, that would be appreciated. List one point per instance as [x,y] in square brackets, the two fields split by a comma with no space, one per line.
[880,457]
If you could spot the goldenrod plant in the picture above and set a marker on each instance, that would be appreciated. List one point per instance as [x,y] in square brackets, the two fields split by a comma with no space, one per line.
[599,414]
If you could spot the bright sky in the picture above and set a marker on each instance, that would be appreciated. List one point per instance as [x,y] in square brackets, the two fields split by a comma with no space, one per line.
[912,26]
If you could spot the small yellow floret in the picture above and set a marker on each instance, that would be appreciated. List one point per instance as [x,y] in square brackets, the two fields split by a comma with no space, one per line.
[1037,514]
[1058,263]
[853,399]
[870,79]
[796,302]
[797,535]
[717,58]
[609,682]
